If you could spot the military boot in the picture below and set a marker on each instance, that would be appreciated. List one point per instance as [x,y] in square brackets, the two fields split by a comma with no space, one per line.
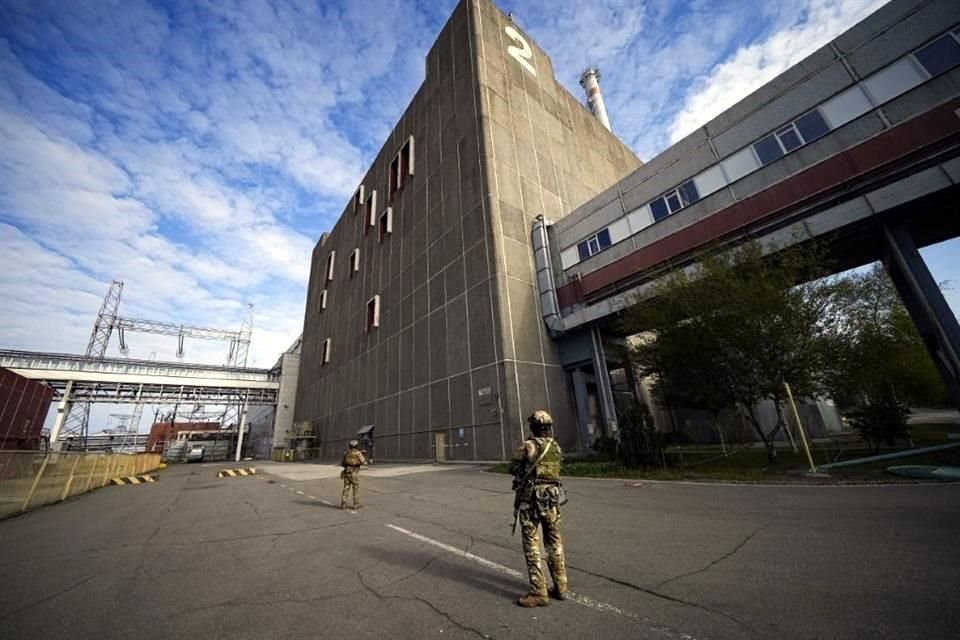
[559,592]
[356,506]
[531,600]
[343,505]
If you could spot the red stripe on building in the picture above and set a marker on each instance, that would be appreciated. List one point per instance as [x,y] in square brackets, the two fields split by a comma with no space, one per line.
[922,131]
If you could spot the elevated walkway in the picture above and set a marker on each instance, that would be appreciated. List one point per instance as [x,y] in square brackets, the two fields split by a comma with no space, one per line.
[119,380]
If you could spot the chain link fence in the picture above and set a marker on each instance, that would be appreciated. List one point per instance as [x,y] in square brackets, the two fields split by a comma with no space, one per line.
[30,479]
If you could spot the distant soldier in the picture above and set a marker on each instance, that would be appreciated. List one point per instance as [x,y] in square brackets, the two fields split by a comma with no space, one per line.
[539,496]
[352,461]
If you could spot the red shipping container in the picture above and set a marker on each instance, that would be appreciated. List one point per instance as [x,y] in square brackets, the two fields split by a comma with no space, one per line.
[24,404]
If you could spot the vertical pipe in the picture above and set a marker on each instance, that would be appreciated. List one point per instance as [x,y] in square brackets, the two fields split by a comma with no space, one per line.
[803,435]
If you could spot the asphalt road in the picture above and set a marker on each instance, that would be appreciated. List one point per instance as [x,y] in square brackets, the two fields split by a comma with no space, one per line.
[430,556]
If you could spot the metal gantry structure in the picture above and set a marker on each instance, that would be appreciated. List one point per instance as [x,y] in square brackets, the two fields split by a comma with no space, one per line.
[239,351]
[108,320]
[78,420]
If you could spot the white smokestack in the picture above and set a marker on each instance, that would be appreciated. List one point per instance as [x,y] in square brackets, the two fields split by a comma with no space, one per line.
[590,82]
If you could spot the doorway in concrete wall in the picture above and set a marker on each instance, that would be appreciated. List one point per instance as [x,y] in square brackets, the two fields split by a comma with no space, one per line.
[440,445]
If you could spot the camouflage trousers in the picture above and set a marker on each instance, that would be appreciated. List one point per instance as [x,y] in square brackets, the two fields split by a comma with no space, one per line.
[351,480]
[546,515]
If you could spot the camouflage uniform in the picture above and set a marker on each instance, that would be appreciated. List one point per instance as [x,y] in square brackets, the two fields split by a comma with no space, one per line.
[540,508]
[352,461]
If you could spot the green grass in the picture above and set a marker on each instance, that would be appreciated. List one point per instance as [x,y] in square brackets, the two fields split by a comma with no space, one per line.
[702,464]
[751,465]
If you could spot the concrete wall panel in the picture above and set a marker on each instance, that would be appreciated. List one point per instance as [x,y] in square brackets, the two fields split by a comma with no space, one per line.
[913,26]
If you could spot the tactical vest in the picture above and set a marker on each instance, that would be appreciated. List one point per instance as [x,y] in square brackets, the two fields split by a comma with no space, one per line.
[548,469]
[352,459]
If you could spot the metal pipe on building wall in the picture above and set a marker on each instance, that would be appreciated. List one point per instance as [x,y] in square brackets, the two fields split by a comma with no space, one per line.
[545,283]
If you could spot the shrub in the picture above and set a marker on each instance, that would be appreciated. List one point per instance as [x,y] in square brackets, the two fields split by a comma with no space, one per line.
[883,420]
[605,447]
[641,445]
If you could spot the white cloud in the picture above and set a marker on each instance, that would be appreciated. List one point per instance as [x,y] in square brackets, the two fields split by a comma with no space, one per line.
[665,64]
[197,152]
[755,64]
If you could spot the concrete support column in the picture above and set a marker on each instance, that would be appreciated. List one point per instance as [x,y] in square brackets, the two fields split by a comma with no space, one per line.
[582,399]
[241,429]
[927,307]
[603,383]
[63,410]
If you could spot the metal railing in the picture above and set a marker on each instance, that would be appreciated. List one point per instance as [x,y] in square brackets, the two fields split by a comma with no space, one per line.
[30,479]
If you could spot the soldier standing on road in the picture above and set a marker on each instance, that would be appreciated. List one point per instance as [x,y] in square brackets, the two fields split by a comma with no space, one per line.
[539,495]
[352,461]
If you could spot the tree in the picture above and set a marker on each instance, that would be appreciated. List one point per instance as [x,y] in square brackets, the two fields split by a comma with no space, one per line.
[640,445]
[880,364]
[729,332]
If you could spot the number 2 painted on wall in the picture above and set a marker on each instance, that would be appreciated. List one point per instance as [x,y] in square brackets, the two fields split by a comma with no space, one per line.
[522,54]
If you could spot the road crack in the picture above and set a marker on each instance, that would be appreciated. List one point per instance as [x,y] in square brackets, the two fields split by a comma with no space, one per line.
[713,563]
[656,594]
[382,596]
[52,596]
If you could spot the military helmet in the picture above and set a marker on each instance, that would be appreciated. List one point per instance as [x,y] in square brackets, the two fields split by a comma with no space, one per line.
[540,420]
[354,444]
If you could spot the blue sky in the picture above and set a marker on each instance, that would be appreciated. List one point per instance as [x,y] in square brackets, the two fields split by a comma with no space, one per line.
[197,150]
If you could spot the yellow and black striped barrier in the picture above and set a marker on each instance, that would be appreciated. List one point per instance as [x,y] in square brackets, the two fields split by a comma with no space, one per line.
[133,479]
[233,473]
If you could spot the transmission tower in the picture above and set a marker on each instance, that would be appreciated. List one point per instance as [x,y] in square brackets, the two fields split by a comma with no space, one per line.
[240,347]
[77,421]
[239,350]
[129,426]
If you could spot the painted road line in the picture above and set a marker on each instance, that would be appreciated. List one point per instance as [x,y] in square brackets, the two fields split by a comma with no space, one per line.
[327,502]
[574,597]
[312,497]
[301,493]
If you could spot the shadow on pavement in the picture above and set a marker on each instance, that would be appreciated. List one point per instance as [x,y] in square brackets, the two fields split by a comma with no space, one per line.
[317,503]
[440,566]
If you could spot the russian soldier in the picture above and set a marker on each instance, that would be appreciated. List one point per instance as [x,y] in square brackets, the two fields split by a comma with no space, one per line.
[539,496]
[352,461]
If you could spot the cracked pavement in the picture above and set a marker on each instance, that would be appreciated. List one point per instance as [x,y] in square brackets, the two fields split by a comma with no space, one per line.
[253,558]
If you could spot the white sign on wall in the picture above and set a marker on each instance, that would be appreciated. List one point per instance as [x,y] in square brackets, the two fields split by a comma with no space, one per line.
[522,54]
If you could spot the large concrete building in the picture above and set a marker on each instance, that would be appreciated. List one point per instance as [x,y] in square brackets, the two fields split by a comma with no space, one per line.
[421,315]
[483,261]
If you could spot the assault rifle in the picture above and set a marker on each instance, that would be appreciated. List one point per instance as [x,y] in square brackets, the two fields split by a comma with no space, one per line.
[523,487]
